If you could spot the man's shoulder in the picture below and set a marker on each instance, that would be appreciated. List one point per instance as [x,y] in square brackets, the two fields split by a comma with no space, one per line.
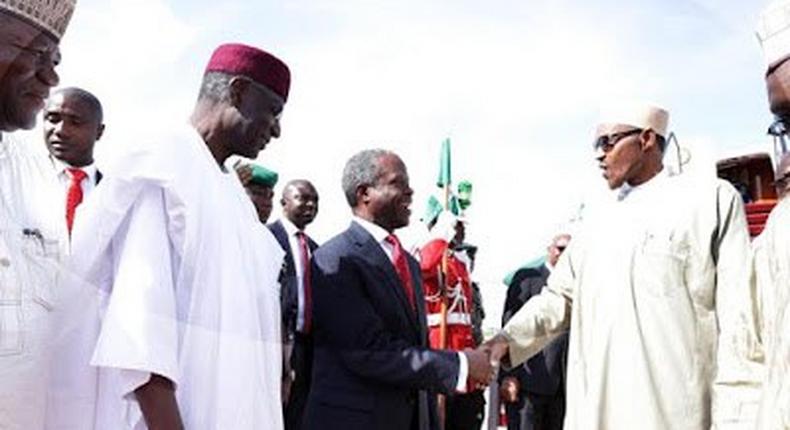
[276,226]
[528,273]
[338,245]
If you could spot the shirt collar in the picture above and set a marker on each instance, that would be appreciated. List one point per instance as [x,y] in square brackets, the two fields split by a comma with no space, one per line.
[60,168]
[627,191]
[376,231]
[289,227]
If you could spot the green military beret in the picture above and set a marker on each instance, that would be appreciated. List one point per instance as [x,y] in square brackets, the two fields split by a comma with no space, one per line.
[263,176]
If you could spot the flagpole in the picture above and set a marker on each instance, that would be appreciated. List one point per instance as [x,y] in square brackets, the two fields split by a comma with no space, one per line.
[445,176]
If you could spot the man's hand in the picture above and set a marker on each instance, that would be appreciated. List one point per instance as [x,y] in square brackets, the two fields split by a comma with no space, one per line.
[480,371]
[508,390]
[497,347]
[157,400]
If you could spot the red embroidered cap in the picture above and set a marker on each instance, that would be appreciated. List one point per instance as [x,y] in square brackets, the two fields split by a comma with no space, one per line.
[254,63]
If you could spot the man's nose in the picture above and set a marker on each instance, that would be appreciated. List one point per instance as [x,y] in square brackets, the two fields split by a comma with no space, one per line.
[599,154]
[276,129]
[48,75]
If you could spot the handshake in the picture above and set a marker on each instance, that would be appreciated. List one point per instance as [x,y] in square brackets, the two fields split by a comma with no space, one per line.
[484,361]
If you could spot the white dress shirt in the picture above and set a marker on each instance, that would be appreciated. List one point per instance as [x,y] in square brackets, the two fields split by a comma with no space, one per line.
[296,252]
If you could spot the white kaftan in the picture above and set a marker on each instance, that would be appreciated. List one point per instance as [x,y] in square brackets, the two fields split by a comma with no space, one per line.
[188,280]
[648,288]
[33,242]
[772,269]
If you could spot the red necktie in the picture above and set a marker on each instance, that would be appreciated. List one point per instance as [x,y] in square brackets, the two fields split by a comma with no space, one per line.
[402,268]
[306,281]
[74,196]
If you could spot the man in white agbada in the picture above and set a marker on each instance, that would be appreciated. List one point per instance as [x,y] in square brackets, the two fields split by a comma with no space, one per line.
[190,331]
[772,247]
[654,290]
[32,235]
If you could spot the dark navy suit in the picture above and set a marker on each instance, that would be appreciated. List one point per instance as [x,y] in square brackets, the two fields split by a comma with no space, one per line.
[542,378]
[302,356]
[373,368]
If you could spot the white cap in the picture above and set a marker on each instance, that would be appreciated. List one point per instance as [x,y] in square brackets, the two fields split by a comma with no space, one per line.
[52,16]
[773,31]
[639,115]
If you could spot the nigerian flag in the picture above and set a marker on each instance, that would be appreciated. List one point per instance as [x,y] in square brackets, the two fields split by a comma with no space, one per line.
[445,175]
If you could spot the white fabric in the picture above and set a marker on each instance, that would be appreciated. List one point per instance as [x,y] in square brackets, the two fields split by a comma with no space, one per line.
[296,251]
[649,288]
[773,31]
[634,114]
[33,241]
[380,236]
[187,277]
[772,269]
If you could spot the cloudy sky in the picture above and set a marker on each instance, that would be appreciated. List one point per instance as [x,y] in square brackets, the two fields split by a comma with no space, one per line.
[515,84]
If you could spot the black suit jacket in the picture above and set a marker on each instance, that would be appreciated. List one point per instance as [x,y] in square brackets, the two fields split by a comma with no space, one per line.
[372,366]
[544,372]
[289,296]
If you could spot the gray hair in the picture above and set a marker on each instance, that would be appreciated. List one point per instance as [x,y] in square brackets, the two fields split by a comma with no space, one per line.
[362,170]
[215,87]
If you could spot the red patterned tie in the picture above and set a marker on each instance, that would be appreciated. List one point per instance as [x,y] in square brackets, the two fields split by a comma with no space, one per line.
[74,196]
[402,268]
[306,282]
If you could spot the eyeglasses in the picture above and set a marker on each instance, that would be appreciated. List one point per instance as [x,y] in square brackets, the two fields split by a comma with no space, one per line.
[608,141]
[778,130]
[782,180]
[40,55]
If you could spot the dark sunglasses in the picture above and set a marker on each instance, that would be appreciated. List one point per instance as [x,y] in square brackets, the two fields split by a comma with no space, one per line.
[782,180]
[608,141]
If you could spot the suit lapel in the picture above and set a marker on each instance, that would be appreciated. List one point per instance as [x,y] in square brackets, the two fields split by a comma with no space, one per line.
[371,252]
[416,279]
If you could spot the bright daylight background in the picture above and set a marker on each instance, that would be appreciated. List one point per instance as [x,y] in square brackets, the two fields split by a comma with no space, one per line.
[516,84]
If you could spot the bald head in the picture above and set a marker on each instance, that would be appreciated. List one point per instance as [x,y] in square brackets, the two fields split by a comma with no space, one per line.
[557,247]
[300,202]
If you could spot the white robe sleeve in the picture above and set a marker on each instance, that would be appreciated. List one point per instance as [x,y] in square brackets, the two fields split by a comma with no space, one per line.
[139,334]
[739,357]
[545,316]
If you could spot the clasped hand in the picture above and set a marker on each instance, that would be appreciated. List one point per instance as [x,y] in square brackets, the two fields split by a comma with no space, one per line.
[484,361]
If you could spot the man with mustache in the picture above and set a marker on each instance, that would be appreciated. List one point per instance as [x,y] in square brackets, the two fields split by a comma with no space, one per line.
[300,206]
[185,271]
[655,291]
[32,239]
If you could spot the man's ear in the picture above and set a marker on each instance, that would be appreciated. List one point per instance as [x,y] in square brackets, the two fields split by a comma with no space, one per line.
[100,131]
[647,139]
[237,87]
[363,194]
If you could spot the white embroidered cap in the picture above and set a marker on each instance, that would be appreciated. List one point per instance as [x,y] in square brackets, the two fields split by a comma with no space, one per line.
[773,31]
[639,115]
[52,16]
